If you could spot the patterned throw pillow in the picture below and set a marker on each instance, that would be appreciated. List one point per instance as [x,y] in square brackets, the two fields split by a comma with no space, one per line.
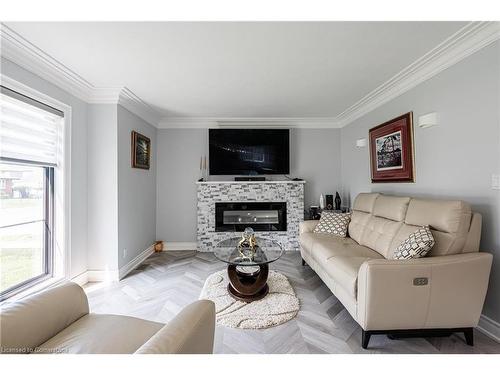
[417,245]
[333,223]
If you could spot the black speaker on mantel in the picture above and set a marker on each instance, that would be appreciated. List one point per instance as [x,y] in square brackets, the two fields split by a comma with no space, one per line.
[329,202]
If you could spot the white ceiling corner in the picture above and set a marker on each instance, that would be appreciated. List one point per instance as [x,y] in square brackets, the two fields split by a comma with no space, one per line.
[464,42]
[469,39]
[27,55]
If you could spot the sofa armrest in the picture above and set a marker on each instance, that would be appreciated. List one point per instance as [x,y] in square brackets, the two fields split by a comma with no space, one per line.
[435,292]
[29,322]
[307,226]
[190,332]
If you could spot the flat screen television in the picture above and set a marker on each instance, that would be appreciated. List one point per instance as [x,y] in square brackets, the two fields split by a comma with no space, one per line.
[249,151]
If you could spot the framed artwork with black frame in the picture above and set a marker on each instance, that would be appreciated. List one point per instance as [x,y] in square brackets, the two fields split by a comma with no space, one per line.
[391,150]
[141,151]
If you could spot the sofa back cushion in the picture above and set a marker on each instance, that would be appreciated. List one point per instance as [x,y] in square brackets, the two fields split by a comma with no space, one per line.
[361,213]
[382,222]
[449,221]
[391,207]
[379,233]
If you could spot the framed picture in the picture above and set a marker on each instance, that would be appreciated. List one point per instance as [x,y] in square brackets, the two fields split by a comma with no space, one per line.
[391,150]
[141,151]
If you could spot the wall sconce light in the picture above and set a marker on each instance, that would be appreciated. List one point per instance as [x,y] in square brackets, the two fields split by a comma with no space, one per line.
[428,120]
[361,142]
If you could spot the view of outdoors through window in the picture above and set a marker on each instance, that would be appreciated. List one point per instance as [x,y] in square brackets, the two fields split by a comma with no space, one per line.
[22,224]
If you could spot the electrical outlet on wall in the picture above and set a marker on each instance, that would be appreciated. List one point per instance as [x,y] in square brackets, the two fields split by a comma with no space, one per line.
[495,181]
[124,253]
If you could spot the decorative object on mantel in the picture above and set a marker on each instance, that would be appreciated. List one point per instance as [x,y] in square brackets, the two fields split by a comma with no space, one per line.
[203,168]
[391,150]
[277,307]
[141,151]
[329,202]
[338,201]
[321,202]
[158,246]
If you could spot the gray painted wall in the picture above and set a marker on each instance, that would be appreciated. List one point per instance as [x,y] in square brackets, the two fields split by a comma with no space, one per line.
[315,157]
[78,159]
[102,187]
[454,159]
[136,191]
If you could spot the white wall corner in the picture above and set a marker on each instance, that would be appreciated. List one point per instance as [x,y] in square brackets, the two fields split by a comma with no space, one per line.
[466,41]
[489,327]
[25,54]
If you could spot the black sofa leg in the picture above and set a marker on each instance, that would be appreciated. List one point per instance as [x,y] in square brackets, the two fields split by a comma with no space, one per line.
[365,338]
[469,336]
[303,262]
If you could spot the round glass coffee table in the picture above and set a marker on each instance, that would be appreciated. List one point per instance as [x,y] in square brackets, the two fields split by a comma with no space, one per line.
[247,270]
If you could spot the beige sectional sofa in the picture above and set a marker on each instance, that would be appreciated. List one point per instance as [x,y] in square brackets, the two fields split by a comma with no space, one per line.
[57,320]
[441,293]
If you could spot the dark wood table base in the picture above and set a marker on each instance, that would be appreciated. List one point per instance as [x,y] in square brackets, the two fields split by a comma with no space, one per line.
[248,287]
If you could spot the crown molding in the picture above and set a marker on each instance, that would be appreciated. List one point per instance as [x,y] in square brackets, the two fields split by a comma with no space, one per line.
[25,54]
[242,122]
[468,40]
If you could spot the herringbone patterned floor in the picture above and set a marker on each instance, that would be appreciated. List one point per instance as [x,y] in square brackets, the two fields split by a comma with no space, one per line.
[168,281]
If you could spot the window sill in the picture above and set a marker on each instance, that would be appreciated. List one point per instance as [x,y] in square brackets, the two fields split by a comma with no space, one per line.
[33,288]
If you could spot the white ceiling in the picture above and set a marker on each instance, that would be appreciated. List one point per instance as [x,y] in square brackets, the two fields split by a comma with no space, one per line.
[239,69]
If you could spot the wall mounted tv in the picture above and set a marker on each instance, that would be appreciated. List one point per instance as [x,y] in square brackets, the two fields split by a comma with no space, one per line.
[249,151]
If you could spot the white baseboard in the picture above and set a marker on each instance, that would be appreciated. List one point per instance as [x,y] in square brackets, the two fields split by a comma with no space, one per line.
[81,279]
[102,275]
[134,263]
[115,275]
[167,246]
[489,327]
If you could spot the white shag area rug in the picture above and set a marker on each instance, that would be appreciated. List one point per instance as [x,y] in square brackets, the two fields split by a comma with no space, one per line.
[278,307]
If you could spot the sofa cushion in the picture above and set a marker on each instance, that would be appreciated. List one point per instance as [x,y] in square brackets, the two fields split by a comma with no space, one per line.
[391,207]
[333,223]
[379,234]
[442,215]
[102,334]
[364,202]
[336,246]
[417,245]
[357,225]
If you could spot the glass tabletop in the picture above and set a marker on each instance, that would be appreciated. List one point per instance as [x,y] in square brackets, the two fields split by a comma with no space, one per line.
[266,251]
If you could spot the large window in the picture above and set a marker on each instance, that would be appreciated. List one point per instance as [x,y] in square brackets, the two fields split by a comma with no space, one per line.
[29,143]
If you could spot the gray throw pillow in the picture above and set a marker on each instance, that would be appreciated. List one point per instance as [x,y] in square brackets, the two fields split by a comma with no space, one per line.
[333,223]
[417,245]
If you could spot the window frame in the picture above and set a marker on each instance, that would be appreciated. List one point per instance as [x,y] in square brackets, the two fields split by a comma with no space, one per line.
[61,236]
[48,239]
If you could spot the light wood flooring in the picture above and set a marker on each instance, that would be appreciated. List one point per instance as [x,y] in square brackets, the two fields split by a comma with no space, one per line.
[168,281]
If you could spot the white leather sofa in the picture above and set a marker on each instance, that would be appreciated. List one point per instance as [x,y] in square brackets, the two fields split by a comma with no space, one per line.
[439,294]
[58,321]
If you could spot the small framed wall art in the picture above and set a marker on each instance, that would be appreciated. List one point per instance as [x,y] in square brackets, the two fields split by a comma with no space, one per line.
[391,150]
[141,151]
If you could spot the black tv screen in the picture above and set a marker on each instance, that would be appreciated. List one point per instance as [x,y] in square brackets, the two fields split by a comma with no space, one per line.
[249,151]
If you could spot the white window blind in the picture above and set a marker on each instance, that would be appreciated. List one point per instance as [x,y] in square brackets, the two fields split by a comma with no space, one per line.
[29,130]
